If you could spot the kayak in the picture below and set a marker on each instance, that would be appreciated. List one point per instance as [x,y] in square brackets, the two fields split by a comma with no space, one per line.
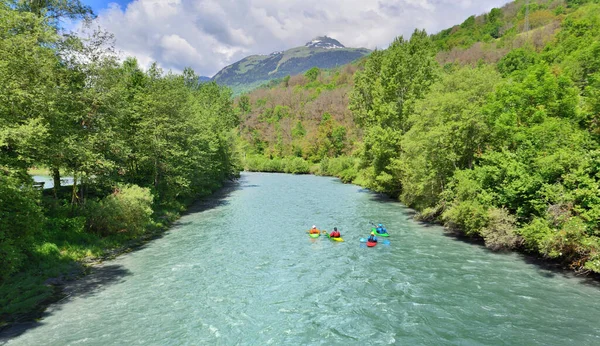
[371,243]
[335,239]
[314,235]
[386,234]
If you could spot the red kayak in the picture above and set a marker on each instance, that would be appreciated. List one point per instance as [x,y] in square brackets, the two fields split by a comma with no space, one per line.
[371,243]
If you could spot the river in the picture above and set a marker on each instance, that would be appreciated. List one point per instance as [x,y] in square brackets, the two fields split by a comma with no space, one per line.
[239,268]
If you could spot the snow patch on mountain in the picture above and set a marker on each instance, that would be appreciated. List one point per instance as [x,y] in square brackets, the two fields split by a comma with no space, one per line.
[324,42]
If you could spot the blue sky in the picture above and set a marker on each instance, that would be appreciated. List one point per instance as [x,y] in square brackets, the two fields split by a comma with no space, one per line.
[98,5]
[208,35]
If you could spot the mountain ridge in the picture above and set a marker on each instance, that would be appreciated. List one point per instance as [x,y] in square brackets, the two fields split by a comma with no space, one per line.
[255,70]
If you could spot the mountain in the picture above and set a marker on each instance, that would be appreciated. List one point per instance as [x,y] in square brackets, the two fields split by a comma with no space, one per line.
[324,42]
[252,71]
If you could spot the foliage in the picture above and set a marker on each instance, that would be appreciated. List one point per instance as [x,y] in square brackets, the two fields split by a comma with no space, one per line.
[128,209]
[385,94]
[343,167]
[304,119]
[447,133]
[312,74]
[139,144]
[517,60]
[293,165]
[501,230]
[20,222]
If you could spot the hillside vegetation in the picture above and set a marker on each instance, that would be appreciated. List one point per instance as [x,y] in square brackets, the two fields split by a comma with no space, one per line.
[486,127]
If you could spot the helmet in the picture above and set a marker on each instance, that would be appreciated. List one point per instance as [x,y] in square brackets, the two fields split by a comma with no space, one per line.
[335,228]
[314,226]
[380,225]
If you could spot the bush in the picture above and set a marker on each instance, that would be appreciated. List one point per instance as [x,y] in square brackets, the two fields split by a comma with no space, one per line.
[343,167]
[469,217]
[500,233]
[293,165]
[128,209]
[431,214]
[296,165]
[20,220]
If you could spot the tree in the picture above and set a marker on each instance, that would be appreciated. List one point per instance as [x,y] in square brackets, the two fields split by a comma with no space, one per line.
[384,96]
[448,131]
[312,74]
[55,10]
[27,86]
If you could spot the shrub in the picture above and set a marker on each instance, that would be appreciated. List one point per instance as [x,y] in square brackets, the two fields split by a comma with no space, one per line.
[431,214]
[296,165]
[20,219]
[128,209]
[500,233]
[469,217]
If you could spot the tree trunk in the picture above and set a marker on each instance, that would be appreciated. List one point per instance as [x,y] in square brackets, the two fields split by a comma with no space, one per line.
[74,196]
[56,178]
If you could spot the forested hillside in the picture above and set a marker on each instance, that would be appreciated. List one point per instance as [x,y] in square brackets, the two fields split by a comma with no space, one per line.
[305,116]
[139,144]
[491,127]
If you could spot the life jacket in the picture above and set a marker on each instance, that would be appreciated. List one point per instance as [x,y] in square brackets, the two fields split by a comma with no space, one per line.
[314,231]
[335,234]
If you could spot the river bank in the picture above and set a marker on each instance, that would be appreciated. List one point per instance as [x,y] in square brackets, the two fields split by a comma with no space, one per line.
[25,297]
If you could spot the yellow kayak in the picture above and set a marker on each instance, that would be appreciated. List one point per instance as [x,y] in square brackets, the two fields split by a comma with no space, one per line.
[334,239]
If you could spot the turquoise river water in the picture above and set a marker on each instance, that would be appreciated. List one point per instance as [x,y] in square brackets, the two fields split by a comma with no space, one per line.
[239,268]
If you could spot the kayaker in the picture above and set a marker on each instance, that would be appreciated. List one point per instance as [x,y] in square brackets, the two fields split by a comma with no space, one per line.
[314,230]
[381,229]
[372,238]
[335,233]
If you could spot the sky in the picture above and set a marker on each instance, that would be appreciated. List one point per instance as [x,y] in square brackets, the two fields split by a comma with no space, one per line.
[208,35]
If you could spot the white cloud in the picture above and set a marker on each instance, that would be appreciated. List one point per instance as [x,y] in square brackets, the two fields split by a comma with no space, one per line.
[207,35]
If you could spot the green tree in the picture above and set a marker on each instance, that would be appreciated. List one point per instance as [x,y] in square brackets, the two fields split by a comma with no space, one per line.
[312,74]
[448,131]
[403,74]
